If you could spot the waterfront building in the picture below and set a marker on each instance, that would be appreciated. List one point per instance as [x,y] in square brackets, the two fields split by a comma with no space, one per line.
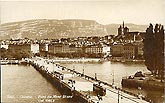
[117,50]
[106,49]
[140,51]
[62,48]
[50,49]
[125,51]
[96,49]
[35,48]
[129,51]
[20,47]
[43,47]
[65,49]
[55,48]
[75,49]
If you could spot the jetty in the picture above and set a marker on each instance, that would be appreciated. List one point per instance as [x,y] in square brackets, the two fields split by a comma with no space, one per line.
[81,87]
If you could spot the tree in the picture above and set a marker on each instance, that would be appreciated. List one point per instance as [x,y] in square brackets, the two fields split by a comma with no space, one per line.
[154,49]
[149,48]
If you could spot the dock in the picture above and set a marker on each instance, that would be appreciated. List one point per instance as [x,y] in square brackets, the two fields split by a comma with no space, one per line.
[82,88]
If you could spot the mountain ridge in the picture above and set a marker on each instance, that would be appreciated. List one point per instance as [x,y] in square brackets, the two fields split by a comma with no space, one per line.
[65,28]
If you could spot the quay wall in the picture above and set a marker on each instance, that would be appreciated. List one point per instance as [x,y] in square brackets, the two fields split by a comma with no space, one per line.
[147,84]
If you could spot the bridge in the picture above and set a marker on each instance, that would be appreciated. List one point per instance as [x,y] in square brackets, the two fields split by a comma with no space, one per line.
[81,87]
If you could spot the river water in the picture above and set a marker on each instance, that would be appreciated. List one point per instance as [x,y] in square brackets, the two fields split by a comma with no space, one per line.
[108,70]
[23,84]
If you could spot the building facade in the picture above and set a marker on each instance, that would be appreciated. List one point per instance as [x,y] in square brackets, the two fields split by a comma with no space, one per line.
[117,50]
[43,47]
[35,48]
[62,48]
[129,51]
[20,47]
[96,49]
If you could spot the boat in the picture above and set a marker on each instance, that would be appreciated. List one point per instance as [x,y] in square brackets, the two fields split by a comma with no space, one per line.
[4,62]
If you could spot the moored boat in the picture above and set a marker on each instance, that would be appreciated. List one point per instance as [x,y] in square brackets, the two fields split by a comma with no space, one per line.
[4,62]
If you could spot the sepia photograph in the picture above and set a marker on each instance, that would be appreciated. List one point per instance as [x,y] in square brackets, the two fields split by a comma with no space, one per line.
[82,51]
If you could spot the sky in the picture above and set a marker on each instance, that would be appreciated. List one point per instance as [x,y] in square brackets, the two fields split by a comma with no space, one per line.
[103,11]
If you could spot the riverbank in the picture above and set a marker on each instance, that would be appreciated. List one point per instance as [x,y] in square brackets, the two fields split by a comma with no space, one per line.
[92,60]
[147,81]
[75,60]
[120,59]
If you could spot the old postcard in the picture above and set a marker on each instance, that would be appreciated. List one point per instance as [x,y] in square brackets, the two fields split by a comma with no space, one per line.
[76,51]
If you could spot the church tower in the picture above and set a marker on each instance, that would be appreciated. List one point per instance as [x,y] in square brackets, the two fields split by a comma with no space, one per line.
[123,24]
[120,30]
[123,30]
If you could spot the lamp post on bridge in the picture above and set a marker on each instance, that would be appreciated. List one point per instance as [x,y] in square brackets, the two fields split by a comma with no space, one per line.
[73,71]
[113,79]
[83,71]
[118,101]
[96,76]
